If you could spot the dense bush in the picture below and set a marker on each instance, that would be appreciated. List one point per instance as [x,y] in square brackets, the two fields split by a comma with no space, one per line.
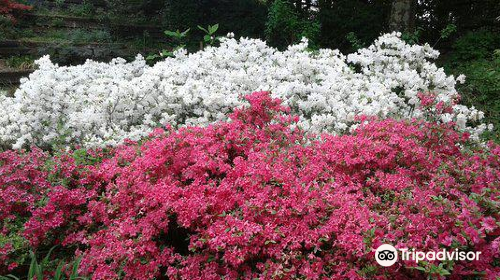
[8,8]
[477,55]
[47,192]
[258,197]
[482,88]
[97,104]
[22,184]
[474,46]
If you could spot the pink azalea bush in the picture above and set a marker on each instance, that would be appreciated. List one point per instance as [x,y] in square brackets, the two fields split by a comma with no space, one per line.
[256,197]
[40,195]
[21,182]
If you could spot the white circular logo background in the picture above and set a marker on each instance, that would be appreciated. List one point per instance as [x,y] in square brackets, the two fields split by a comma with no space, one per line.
[386,255]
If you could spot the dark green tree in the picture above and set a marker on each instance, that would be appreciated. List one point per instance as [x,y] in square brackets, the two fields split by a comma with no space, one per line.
[364,18]
[288,22]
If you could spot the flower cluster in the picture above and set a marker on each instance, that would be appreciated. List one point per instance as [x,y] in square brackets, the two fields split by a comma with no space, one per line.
[39,194]
[258,197]
[100,104]
[22,183]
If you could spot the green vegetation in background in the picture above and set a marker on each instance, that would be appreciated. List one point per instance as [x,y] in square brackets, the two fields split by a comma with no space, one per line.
[77,35]
[245,18]
[339,18]
[209,39]
[179,38]
[477,56]
[23,62]
[285,26]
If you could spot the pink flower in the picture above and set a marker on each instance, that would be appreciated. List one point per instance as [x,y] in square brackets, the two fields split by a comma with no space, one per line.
[256,198]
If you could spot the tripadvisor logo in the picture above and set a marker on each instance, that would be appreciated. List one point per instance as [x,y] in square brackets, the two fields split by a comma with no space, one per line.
[386,255]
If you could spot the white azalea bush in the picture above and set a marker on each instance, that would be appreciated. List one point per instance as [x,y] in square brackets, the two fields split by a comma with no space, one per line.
[98,104]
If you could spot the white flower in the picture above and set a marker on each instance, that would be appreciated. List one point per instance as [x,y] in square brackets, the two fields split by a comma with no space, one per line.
[98,104]
[461,78]
[461,121]
[446,118]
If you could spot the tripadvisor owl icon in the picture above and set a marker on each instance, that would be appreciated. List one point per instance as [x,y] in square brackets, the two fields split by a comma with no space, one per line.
[386,255]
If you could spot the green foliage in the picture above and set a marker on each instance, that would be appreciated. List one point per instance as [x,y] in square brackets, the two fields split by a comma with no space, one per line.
[285,26]
[482,87]
[412,37]
[182,14]
[415,36]
[15,239]
[484,76]
[448,31]
[134,11]
[355,41]
[432,269]
[57,22]
[177,34]
[475,45]
[59,3]
[476,55]
[179,38]
[209,37]
[242,17]
[369,271]
[77,35]
[338,18]
[83,10]
[94,36]
[83,157]
[470,15]
[39,270]
[20,62]
[9,29]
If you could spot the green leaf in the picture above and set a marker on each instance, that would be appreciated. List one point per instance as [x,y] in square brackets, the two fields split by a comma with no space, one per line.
[152,57]
[420,268]
[184,34]
[212,29]
[179,47]
[207,38]
[9,277]
[203,29]
[171,33]
[58,275]
[448,30]
[33,265]
[38,270]
[444,272]
[74,271]
[166,53]
[45,260]
[223,214]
